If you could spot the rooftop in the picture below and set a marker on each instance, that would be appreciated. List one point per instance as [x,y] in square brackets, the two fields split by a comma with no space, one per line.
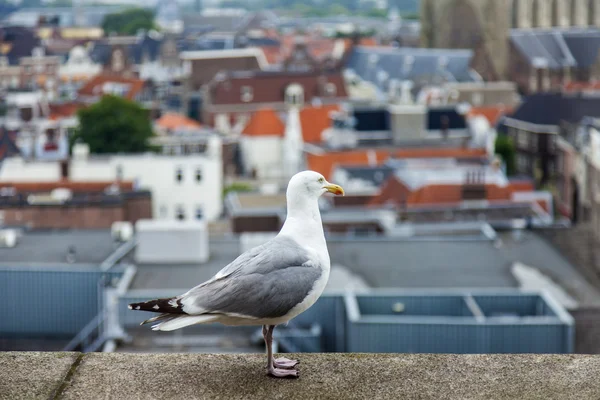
[325,161]
[51,247]
[550,109]
[34,375]
[405,262]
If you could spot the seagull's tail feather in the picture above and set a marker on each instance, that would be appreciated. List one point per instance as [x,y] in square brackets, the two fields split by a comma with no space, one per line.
[168,306]
[177,322]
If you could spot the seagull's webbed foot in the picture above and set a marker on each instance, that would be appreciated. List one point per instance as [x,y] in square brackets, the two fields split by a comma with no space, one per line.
[283,373]
[285,363]
[280,367]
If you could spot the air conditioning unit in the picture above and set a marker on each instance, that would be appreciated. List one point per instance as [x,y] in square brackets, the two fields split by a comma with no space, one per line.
[8,238]
[121,231]
[61,194]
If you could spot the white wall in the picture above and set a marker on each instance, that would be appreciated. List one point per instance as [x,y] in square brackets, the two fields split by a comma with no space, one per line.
[264,154]
[17,170]
[157,173]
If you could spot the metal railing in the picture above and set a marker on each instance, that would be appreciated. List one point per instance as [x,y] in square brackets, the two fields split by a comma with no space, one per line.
[91,337]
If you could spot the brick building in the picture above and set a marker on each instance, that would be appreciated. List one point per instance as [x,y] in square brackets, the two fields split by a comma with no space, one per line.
[72,205]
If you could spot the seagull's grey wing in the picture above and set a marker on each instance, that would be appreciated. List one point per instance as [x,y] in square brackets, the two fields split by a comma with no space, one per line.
[266,283]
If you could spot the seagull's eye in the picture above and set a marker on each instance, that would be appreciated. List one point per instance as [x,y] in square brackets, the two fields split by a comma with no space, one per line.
[321,180]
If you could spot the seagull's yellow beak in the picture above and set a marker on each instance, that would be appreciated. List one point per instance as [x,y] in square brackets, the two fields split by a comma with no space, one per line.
[335,189]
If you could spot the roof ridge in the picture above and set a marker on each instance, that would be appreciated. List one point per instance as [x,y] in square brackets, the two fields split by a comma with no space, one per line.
[560,39]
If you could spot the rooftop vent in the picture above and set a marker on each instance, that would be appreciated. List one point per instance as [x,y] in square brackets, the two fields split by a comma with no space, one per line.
[8,238]
[171,241]
[71,254]
[121,231]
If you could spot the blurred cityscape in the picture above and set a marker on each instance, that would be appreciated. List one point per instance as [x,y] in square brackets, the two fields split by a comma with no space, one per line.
[145,145]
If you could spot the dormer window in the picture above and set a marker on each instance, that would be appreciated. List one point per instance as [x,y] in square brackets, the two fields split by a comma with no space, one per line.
[247,94]
[294,95]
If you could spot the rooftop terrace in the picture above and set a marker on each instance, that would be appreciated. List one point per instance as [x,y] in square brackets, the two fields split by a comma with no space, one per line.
[332,376]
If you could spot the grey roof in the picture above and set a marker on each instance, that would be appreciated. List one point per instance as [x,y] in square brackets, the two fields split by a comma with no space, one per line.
[381,64]
[584,46]
[145,45]
[183,276]
[552,108]
[426,262]
[43,247]
[557,48]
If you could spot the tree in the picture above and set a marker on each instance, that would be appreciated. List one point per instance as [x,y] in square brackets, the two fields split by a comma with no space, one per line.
[115,125]
[505,148]
[128,22]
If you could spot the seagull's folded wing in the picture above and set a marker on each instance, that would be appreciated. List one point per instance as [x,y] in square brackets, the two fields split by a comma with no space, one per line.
[266,282]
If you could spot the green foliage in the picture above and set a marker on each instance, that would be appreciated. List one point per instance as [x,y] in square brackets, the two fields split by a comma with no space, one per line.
[115,125]
[237,187]
[362,34]
[128,22]
[377,13]
[505,148]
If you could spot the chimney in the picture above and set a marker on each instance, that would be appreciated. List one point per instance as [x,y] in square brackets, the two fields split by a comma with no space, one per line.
[64,170]
[445,126]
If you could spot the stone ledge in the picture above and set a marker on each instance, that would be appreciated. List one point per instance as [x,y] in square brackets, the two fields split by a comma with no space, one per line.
[324,376]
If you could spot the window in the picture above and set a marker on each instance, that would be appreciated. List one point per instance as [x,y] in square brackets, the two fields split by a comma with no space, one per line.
[522,163]
[198,175]
[551,143]
[522,137]
[551,167]
[534,142]
[179,175]
[119,172]
[294,95]
[247,93]
[180,212]
[199,212]
[560,163]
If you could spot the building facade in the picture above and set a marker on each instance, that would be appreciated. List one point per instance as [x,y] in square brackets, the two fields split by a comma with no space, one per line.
[183,187]
[483,25]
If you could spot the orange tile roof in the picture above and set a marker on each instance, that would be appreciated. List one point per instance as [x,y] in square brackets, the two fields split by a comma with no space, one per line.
[272,54]
[90,88]
[64,110]
[67,184]
[367,42]
[175,121]
[324,163]
[580,86]
[491,113]
[314,120]
[395,191]
[264,122]
[318,47]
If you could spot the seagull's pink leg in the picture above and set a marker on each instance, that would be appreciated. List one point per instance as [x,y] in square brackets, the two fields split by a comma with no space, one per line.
[274,369]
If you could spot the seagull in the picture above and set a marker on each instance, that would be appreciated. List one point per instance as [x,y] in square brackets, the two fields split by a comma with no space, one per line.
[267,285]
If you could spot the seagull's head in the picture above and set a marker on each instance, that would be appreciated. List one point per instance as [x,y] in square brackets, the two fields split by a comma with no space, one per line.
[311,184]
